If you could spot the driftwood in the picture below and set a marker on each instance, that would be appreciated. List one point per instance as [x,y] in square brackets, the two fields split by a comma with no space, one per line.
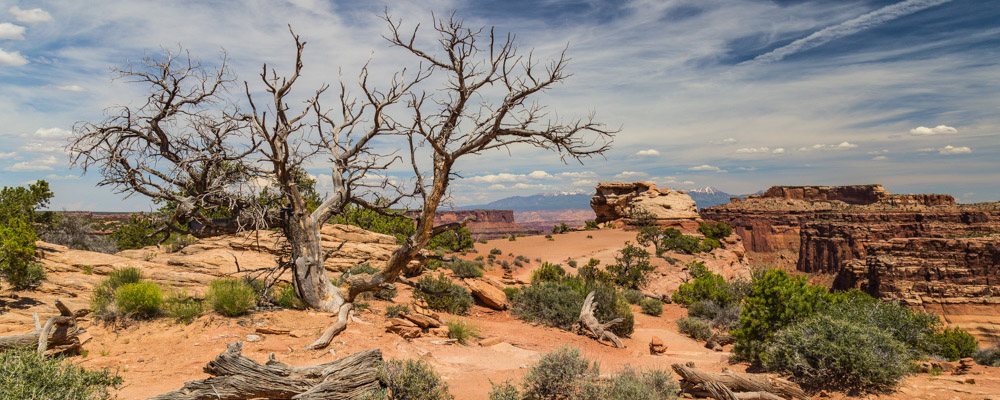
[238,377]
[740,382]
[721,392]
[59,333]
[589,321]
[718,340]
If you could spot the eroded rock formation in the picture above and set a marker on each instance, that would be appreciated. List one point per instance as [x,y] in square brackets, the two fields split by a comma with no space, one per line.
[487,224]
[618,201]
[918,248]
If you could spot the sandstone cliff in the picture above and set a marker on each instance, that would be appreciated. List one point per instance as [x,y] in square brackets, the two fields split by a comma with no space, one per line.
[617,201]
[487,224]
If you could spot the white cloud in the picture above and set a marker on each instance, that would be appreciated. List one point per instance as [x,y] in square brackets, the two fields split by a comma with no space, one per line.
[778,150]
[841,146]
[496,187]
[926,149]
[540,175]
[650,152]
[846,145]
[31,15]
[72,88]
[578,175]
[764,149]
[687,183]
[883,151]
[879,158]
[631,175]
[44,164]
[55,177]
[4,156]
[706,167]
[949,149]
[11,31]
[50,133]
[723,141]
[937,130]
[585,182]
[12,58]
[501,177]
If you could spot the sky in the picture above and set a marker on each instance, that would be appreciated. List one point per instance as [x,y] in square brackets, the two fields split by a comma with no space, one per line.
[738,94]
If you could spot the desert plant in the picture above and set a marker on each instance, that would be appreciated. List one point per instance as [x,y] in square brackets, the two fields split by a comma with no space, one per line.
[716,231]
[707,286]
[557,374]
[393,310]
[548,272]
[511,292]
[455,299]
[916,329]
[102,301]
[411,380]
[454,240]
[284,296]
[629,384]
[181,307]
[561,228]
[631,268]
[26,375]
[558,303]
[462,331]
[955,343]
[18,221]
[511,238]
[495,251]
[139,299]
[231,297]
[137,232]
[989,357]
[504,391]
[721,317]
[75,232]
[826,352]
[590,225]
[571,263]
[652,307]
[696,328]
[641,217]
[465,268]
[633,296]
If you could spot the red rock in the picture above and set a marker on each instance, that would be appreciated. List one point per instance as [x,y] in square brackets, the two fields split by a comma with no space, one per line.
[656,346]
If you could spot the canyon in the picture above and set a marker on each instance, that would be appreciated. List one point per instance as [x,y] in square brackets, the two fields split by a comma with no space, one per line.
[921,249]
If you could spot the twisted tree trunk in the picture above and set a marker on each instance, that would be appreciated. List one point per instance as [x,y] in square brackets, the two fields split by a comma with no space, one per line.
[739,382]
[59,332]
[589,321]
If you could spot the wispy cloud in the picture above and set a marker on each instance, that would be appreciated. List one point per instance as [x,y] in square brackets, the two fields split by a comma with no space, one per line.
[626,175]
[949,150]
[647,153]
[937,130]
[42,164]
[764,149]
[11,32]
[840,146]
[31,16]
[72,88]
[867,21]
[706,167]
[12,58]
[723,141]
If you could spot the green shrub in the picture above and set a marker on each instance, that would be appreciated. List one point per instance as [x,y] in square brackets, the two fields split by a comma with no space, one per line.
[504,391]
[511,292]
[557,375]
[775,300]
[717,231]
[558,303]
[590,225]
[640,217]
[18,221]
[495,252]
[284,296]
[708,286]
[455,299]
[393,311]
[955,343]
[102,301]
[915,329]
[136,233]
[989,357]
[25,375]
[561,228]
[825,352]
[571,263]
[139,300]
[412,380]
[696,328]
[548,272]
[630,384]
[720,317]
[462,331]
[631,268]
[452,240]
[182,308]
[396,225]
[652,307]
[231,297]
[633,296]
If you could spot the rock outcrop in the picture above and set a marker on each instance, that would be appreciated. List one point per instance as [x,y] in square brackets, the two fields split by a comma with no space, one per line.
[618,201]
[486,224]
[923,249]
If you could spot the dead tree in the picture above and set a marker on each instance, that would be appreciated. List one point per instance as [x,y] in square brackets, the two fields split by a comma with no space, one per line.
[179,149]
[589,321]
[755,386]
[238,377]
[60,333]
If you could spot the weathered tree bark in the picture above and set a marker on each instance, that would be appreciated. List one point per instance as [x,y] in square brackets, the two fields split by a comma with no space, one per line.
[238,377]
[740,382]
[60,332]
[589,321]
[718,340]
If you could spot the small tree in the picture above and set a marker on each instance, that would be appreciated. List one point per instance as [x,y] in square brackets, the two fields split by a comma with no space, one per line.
[631,267]
[18,223]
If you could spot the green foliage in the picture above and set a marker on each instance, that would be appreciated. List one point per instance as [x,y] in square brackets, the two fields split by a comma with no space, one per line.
[504,391]
[18,224]
[652,307]
[633,296]
[571,263]
[719,316]
[707,286]
[696,328]
[631,268]
[590,225]
[25,375]
[561,228]
[913,328]
[955,343]
[462,331]
[548,272]
[412,380]
[231,297]
[182,308]
[775,300]
[558,303]
[512,238]
[557,375]
[465,268]
[284,296]
[717,231]
[649,235]
[452,240]
[495,252]
[835,353]
[396,225]
[393,311]
[22,203]
[136,233]
[139,300]
[640,217]
[630,384]
[989,357]
[455,299]
[74,231]
[102,302]
[511,292]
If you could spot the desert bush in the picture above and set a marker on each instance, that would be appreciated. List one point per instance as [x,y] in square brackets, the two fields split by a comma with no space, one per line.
[548,272]
[181,307]
[652,307]
[826,352]
[452,240]
[631,268]
[561,228]
[955,343]
[913,328]
[462,331]
[74,231]
[231,297]
[511,292]
[26,375]
[696,328]
[393,310]
[411,380]
[456,300]
[590,225]
[640,217]
[989,357]
[633,296]
[465,268]
[139,300]
[495,251]
[558,303]
[102,301]
[706,286]
[717,231]
[284,296]
[775,300]
[504,391]
[557,375]
[572,263]
[136,233]
[630,384]
[720,317]
[396,225]
[18,221]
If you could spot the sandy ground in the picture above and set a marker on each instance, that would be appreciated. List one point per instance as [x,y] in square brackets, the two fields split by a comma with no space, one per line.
[159,356]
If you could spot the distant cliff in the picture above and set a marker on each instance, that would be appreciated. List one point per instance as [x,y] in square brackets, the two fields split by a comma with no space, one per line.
[487,224]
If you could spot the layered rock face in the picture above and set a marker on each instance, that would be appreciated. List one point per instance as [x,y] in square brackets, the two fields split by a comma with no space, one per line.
[487,224]
[617,201]
[894,246]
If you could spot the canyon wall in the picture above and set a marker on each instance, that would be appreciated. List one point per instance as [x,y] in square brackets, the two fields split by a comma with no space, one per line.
[923,249]
[488,224]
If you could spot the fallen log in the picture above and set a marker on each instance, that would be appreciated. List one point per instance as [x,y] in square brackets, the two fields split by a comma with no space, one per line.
[236,377]
[718,340]
[741,382]
[589,321]
[60,333]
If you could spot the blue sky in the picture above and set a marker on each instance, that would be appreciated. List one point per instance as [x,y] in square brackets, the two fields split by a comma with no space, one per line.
[739,95]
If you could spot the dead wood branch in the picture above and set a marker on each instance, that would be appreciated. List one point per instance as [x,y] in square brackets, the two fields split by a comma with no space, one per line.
[59,332]
[741,382]
[718,340]
[589,321]
[237,377]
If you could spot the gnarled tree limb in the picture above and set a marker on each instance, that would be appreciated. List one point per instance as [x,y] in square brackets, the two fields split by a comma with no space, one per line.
[741,382]
[589,321]
[59,331]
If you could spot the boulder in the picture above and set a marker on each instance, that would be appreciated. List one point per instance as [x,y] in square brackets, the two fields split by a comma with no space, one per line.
[616,201]
[489,294]
[407,332]
[656,346]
